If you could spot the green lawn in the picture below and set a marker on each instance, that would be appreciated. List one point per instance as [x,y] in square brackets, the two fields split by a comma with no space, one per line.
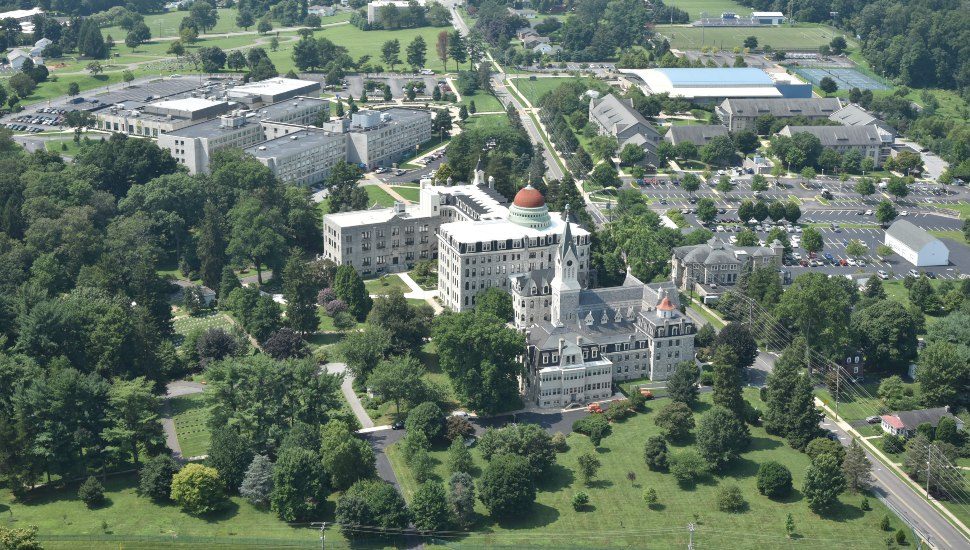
[412,194]
[190,415]
[484,102]
[167,24]
[713,8]
[618,517]
[799,37]
[63,146]
[535,89]
[383,285]
[187,324]
[378,196]
[486,121]
[896,291]
[133,522]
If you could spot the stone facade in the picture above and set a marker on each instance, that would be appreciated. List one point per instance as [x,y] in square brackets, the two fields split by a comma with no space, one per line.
[706,269]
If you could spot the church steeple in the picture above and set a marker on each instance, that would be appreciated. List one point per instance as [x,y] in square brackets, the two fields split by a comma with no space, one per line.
[565,283]
[479,173]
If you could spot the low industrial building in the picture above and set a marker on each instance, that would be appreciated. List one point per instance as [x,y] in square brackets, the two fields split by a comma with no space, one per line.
[916,245]
[711,268]
[698,134]
[756,19]
[160,117]
[842,139]
[616,117]
[705,85]
[742,114]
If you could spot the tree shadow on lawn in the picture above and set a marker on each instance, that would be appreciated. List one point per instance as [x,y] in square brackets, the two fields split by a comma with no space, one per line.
[556,477]
[226,513]
[67,492]
[842,512]
[600,484]
[539,515]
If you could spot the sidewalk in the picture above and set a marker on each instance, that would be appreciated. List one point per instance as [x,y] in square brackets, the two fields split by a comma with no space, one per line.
[419,293]
[347,388]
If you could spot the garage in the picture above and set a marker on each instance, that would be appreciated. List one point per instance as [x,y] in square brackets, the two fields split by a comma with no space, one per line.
[916,245]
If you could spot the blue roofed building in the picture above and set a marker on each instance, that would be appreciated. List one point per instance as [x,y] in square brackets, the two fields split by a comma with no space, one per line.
[704,85]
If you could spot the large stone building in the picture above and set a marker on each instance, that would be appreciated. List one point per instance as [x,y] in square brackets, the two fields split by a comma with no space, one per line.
[616,117]
[382,138]
[706,269]
[742,114]
[383,240]
[867,140]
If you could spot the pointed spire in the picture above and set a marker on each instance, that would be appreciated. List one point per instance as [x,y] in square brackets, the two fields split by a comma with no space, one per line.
[567,233]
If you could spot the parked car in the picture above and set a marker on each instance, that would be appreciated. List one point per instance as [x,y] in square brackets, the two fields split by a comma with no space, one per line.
[873,419]
[398,425]
[930,274]
[882,275]
[594,408]
[913,273]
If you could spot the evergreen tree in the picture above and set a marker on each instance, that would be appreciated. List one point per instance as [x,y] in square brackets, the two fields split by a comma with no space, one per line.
[300,293]
[682,384]
[727,382]
[430,507]
[856,468]
[257,484]
[824,483]
[803,417]
[461,498]
[781,389]
[349,287]
[211,246]
[227,283]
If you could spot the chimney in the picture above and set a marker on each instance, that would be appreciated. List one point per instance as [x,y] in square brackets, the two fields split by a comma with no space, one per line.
[491,182]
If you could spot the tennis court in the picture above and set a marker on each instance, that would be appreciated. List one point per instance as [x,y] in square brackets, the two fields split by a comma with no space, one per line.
[845,78]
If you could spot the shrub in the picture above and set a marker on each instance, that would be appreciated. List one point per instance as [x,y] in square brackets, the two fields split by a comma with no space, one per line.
[675,420]
[687,467]
[619,410]
[197,489]
[900,537]
[774,480]
[650,497]
[91,492]
[593,426]
[155,477]
[655,453]
[729,499]
[457,427]
[892,444]
[559,442]
[580,500]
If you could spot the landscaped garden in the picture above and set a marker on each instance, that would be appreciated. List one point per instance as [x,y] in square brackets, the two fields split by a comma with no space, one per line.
[617,515]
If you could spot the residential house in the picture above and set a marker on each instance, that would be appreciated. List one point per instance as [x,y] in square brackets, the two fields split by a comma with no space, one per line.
[905,423]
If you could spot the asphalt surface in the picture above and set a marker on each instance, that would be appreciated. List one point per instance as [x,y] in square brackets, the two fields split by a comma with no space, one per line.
[902,498]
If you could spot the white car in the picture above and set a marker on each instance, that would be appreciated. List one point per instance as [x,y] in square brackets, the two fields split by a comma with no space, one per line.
[720,228]
[904,213]
[796,255]
[851,261]
[733,239]
[868,212]
[882,274]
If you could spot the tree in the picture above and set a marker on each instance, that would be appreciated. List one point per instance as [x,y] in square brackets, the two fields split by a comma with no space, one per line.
[459,457]
[886,332]
[133,417]
[299,485]
[690,183]
[675,421]
[442,49]
[897,187]
[526,440]
[244,18]
[856,468]
[155,477]
[390,51]
[828,85]
[349,287]
[655,453]
[604,175]
[838,45]
[300,292]
[803,417]
[461,498]
[257,483]
[363,350]
[923,295]
[727,383]
[286,344]
[721,436]
[346,458]
[943,374]
[789,525]
[496,302]
[774,480]
[885,212]
[865,187]
[856,249]
[823,445]
[198,489]
[430,507]
[426,418]
[580,500]
[682,384]
[507,486]
[22,84]
[416,53]
[706,210]
[408,325]
[588,466]
[729,499]
[824,483]
[751,42]
[687,467]
[736,338]
[91,492]
[593,426]
[724,184]
[812,240]
[719,151]
[631,154]
[230,453]
[399,379]
[374,503]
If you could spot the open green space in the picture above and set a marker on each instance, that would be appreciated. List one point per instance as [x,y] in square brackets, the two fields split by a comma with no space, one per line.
[484,102]
[188,324]
[535,89]
[618,517]
[378,196]
[63,146]
[384,413]
[167,24]
[486,121]
[190,415]
[896,291]
[711,8]
[412,194]
[385,283]
[133,522]
[803,36]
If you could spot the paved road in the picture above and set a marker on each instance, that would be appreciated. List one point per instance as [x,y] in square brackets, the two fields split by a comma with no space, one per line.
[347,387]
[910,506]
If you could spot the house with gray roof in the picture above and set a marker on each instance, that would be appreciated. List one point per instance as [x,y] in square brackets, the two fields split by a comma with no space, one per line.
[905,423]
[741,113]
[916,245]
[616,117]
[709,269]
[842,139]
[698,134]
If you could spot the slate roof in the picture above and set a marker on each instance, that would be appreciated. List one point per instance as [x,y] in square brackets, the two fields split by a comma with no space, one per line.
[619,115]
[813,107]
[912,419]
[910,235]
[833,136]
[698,134]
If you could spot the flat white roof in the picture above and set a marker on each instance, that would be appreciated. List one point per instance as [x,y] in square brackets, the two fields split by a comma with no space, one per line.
[187,104]
[19,14]
[358,218]
[500,230]
[483,199]
[700,83]
[767,14]
[270,86]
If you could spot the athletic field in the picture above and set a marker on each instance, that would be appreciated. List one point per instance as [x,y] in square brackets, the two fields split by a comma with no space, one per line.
[727,38]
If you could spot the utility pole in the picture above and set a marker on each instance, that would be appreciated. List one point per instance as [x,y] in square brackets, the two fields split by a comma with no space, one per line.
[929,460]
[838,390]
[690,543]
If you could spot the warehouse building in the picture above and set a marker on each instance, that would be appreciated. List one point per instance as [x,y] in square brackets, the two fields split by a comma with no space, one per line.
[916,245]
[705,85]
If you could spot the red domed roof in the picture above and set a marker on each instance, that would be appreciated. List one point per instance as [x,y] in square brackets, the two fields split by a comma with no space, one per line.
[666,305]
[529,197]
